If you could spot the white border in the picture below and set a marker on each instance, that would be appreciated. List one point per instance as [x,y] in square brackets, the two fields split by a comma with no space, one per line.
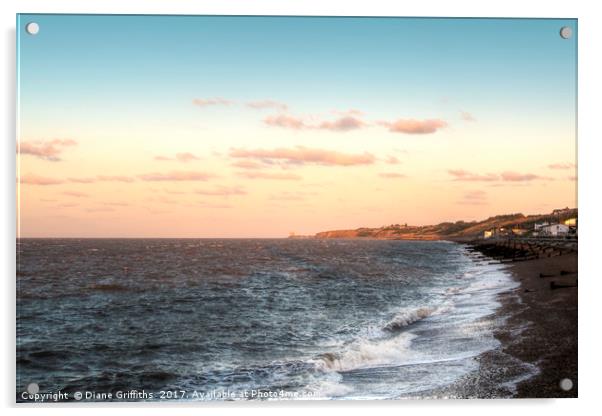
[590,39]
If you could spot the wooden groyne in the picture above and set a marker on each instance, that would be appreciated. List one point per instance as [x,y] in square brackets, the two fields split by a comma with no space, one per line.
[520,249]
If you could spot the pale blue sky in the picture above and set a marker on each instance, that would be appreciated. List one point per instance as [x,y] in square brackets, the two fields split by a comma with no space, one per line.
[385,65]
[453,118]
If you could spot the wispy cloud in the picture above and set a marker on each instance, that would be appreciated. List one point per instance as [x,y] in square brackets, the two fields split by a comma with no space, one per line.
[342,124]
[463,175]
[474,198]
[47,150]
[82,180]
[215,206]
[266,175]
[287,196]
[561,166]
[346,123]
[351,112]
[305,155]
[466,116]
[348,120]
[100,209]
[267,104]
[180,157]
[206,102]
[116,204]
[76,194]
[174,192]
[186,157]
[507,176]
[31,179]
[158,211]
[519,177]
[115,178]
[102,178]
[412,126]
[285,121]
[248,164]
[392,175]
[222,191]
[162,199]
[392,160]
[176,176]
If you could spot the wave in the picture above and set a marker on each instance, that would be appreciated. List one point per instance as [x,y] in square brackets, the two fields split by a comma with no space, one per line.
[407,317]
[367,354]
[330,388]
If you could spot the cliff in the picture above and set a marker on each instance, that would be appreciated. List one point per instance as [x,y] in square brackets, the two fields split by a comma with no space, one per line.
[452,230]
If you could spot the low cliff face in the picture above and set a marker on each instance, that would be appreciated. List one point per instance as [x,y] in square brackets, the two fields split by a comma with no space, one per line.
[450,230]
[385,233]
[338,234]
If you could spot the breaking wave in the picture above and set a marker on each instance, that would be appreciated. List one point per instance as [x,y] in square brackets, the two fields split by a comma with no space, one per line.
[367,354]
[407,317]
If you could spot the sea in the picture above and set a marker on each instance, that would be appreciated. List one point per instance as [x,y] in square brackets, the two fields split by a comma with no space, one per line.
[251,319]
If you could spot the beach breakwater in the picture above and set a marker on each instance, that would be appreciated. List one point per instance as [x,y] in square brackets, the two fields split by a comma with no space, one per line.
[522,249]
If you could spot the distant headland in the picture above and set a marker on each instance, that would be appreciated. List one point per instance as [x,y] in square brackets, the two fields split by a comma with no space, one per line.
[558,222]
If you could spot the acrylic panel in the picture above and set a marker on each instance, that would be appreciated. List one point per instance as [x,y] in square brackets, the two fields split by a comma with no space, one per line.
[295,208]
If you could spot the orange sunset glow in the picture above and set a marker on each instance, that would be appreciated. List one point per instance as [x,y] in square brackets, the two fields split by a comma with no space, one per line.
[255,145]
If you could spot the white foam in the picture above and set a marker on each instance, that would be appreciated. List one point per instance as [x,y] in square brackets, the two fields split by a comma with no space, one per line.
[457,311]
[529,371]
[406,317]
[367,353]
[330,388]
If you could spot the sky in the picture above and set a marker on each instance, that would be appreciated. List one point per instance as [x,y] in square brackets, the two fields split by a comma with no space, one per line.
[196,126]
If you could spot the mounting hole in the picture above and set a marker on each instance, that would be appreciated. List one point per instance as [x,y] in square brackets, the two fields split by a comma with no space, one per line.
[33,388]
[566,384]
[32,28]
[566,32]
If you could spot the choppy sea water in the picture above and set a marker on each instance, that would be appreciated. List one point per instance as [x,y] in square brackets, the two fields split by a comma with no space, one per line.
[225,319]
